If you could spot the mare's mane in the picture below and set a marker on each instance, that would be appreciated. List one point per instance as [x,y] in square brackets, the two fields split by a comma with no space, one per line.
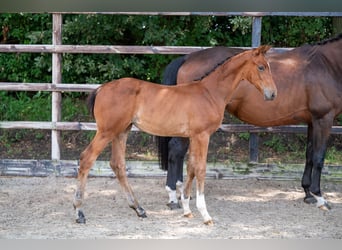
[316,54]
[331,40]
[305,47]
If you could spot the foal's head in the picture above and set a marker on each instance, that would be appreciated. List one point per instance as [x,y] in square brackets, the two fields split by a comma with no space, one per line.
[259,73]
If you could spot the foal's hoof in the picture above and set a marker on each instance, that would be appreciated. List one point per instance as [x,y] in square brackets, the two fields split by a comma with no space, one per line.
[173,205]
[189,215]
[81,218]
[209,222]
[325,207]
[141,212]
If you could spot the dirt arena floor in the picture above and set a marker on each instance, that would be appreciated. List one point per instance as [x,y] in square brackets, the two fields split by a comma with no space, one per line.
[41,208]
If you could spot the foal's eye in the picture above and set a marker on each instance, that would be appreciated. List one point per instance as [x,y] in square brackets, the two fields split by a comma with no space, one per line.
[261,67]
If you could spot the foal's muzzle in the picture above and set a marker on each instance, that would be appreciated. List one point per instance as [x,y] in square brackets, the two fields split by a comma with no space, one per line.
[269,94]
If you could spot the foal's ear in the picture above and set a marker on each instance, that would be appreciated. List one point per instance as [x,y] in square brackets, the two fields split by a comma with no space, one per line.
[261,50]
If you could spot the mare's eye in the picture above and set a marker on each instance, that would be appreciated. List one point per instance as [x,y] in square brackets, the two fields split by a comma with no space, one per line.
[261,68]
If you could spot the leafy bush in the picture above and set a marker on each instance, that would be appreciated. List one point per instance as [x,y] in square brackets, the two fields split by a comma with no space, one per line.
[125,30]
[281,31]
[138,30]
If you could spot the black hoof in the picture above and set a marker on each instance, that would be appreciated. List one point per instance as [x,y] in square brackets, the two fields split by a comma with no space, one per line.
[173,205]
[81,218]
[141,212]
[310,200]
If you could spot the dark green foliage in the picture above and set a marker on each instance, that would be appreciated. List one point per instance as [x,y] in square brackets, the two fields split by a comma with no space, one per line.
[138,30]
[22,106]
[124,30]
[277,31]
[280,31]
[26,29]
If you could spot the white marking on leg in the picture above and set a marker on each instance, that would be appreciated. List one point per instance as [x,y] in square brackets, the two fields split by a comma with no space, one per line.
[186,205]
[320,200]
[172,195]
[180,188]
[76,210]
[201,206]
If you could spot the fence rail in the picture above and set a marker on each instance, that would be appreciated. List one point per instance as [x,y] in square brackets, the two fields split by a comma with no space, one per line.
[187,13]
[98,49]
[230,128]
[56,87]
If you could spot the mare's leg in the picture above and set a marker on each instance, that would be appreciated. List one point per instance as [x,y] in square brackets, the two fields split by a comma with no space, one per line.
[118,165]
[321,132]
[197,168]
[178,147]
[88,156]
[306,179]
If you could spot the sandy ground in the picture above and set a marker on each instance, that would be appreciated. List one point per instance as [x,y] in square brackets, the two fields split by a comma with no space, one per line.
[35,208]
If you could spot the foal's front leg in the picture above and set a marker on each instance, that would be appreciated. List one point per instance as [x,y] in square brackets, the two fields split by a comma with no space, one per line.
[118,165]
[197,168]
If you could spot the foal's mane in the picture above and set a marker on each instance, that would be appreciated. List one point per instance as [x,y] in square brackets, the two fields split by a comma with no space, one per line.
[213,69]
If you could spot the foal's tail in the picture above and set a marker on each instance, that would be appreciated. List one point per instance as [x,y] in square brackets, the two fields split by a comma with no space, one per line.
[169,78]
[91,102]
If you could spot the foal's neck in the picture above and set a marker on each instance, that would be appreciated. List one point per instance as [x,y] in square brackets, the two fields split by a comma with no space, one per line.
[222,82]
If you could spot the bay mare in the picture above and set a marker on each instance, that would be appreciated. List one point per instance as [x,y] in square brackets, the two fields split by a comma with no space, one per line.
[309,83]
[188,110]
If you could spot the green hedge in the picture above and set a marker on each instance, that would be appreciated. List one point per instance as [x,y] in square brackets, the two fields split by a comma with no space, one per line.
[125,30]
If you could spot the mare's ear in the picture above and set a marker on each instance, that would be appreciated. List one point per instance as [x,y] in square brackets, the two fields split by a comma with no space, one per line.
[261,50]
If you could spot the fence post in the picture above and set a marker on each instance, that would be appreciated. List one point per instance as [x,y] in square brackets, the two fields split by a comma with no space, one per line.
[56,78]
[256,31]
[254,137]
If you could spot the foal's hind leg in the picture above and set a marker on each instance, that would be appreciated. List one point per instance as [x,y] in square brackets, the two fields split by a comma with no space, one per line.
[118,165]
[88,156]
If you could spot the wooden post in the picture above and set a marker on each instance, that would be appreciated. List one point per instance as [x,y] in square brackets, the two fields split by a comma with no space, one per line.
[337,25]
[254,137]
[256,31]
[56,78]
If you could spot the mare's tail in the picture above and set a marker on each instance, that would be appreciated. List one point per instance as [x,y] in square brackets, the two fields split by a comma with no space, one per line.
[169,78]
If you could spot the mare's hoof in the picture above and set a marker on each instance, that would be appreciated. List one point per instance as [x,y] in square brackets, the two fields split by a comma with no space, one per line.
[321,203]
[209,222]
[173,205]
[310,200]
[325,207]
[81,218]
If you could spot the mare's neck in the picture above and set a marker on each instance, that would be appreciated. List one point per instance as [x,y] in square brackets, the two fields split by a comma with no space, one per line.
[333,53]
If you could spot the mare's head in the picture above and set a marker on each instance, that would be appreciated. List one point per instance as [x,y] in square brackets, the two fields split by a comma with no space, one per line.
[259,72]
